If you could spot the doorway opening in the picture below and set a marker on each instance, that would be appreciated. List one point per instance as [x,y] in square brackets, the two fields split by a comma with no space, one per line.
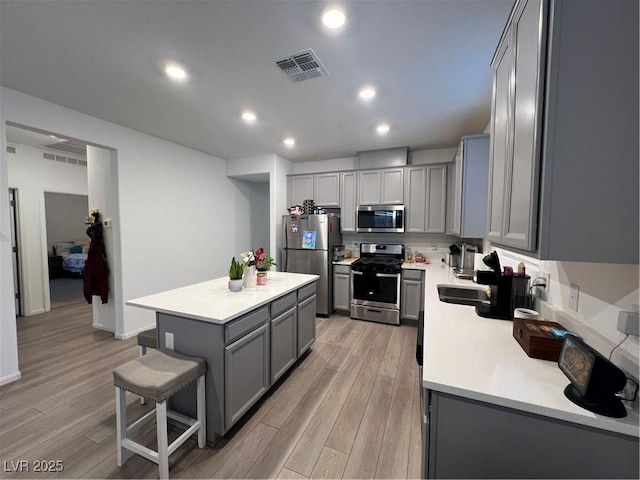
[67,246]
[15,256]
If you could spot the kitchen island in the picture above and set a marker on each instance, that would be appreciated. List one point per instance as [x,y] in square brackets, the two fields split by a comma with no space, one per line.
[490,411]
[249,339]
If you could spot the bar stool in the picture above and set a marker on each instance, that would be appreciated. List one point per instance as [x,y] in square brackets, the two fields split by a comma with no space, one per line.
[157,376]
[147,339]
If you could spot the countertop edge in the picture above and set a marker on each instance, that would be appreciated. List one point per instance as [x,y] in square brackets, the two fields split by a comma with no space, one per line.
[616,427]
[219,320]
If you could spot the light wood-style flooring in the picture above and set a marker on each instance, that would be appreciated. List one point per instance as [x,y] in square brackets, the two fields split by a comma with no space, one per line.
[348,409]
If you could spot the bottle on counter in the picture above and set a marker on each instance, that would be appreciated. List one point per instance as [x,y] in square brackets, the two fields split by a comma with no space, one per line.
[521,269]
[409,255]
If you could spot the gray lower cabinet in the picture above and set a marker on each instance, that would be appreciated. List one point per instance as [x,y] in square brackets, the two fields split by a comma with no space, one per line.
[464,438]
[306,323]
[411,294]
[246,372]
[244,356]
[284,342]
[342,288]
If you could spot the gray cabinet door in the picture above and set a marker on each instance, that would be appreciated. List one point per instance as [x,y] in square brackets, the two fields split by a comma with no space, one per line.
[411,292]
[415,199]
[246,373]
[341,290]
[327,189]
[284,342]
[348,202]
[458,168]
[521,188]
[300,189]
[369,187]
[500,143]
[306,324]
[436,208]
[392,192]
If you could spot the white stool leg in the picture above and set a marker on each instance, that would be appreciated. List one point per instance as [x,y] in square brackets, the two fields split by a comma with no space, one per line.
[202,415]
[121,426]
[163,442]
[142,350]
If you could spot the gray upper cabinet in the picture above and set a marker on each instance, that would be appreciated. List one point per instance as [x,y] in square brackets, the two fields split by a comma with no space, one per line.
[564,178]
[300,188]
[425,198]
[381,187]
[517,114]
[471,176]
[348,201]
[327,190]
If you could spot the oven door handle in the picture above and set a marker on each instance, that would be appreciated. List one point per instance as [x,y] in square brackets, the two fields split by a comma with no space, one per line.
[355,272]
[387,275]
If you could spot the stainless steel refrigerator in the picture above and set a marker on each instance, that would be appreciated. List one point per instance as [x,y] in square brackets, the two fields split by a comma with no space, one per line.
[309,242]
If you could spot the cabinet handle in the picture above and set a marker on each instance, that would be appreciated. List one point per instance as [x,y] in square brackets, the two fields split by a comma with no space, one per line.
[355,272]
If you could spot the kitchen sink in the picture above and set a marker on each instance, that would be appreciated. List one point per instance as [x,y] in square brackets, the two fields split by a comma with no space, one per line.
[463,295]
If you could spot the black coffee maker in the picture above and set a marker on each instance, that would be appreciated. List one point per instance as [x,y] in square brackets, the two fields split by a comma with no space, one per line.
[508,292]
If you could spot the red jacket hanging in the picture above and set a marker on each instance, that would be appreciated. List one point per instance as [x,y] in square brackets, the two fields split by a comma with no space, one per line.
[96,271]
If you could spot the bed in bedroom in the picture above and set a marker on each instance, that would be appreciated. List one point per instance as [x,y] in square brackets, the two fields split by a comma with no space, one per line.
[74,256]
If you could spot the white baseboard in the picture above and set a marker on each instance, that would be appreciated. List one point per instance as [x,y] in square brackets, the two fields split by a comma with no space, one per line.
[124,336]
[12,377]
[97,326]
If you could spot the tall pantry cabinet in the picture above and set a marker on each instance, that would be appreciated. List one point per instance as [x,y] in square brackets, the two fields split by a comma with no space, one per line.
[563,178]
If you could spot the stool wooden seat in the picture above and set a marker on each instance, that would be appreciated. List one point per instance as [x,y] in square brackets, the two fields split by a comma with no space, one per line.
[157,376]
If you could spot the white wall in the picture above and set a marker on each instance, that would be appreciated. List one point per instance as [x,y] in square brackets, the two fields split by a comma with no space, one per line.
[274,169]
[103,195]
[168,197]
[605,290]
[330,165]
[32,176]
[436,155]
[66,217]
[9,369]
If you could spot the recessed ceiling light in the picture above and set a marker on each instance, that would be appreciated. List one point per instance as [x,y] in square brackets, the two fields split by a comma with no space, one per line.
[367,93]
[382,129]
[334,18]
[175,71]
[289,142]
[248,116]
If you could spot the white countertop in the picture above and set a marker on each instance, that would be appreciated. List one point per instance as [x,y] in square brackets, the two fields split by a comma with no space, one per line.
[212,301]
[478,358]
[346,261]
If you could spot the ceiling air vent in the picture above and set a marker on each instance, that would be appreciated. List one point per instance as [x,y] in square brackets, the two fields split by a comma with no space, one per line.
[11,149]
[302,66]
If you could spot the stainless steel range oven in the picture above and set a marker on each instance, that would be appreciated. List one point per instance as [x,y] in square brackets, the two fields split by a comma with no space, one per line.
[375,283]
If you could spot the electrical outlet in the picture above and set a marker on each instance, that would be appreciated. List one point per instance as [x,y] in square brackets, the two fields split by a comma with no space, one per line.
[574,291]
[629,323]
[168,340]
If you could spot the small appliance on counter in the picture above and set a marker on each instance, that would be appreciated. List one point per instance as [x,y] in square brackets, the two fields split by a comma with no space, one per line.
[466,266]
[508,292]
[338,253]
[594,379]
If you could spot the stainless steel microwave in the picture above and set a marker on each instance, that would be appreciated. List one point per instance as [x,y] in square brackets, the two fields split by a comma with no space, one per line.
[381,218]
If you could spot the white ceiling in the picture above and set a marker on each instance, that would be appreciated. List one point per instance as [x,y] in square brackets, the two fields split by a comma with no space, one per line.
[428,59]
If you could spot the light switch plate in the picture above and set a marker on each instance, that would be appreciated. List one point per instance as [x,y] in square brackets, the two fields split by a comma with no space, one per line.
[574,291]
[168,340]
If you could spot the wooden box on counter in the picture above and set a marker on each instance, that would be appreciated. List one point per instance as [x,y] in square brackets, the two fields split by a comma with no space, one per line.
[535,338]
